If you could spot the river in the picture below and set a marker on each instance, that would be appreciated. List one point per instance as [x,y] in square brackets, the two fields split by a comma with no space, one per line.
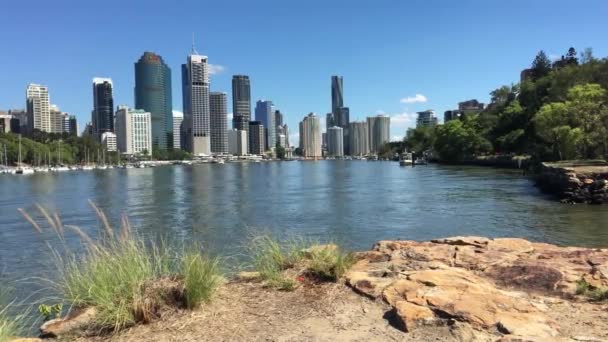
[352,202]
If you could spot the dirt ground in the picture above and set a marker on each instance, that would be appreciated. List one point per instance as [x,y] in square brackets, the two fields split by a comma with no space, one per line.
[249,312]
[329,312]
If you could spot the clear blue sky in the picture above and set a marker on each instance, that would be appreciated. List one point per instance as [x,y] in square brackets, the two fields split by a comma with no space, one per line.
[447,51]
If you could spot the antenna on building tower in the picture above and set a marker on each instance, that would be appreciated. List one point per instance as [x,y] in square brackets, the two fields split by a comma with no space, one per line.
[193,48]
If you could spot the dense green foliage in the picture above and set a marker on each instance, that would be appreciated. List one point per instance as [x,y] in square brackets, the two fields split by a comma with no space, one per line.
[559,111]
[49,148]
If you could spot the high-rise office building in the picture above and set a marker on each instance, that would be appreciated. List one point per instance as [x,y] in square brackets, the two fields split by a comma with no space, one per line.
[178,130]
[379,128]
[237,142]
[337,94]
[310,136]
[72,125]
[219,115]
[329,121]
[56,119]
[153,95]
[340,114]
[335,142]
[102,116]
[38,108]
[278,118]
[108,140]
[264,112]
[241,102]
[359,138]
[256,138]
[197,111]
[133,131]
[426,118]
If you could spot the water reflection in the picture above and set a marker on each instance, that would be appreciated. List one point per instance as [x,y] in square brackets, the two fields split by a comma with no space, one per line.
[353,202]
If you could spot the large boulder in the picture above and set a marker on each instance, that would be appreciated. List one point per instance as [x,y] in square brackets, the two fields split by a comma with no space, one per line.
[500,286]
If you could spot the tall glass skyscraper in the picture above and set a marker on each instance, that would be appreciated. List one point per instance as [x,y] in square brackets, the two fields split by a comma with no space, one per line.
[337,96]
[264,112]
[195,88]
[103,106]
[241,102]
[153,94]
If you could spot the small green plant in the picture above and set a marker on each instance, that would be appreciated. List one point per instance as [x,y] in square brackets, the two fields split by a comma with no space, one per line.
[597,294]
[328,262]
[11,324]
[201,278]
[582,287]
[49,312]
[271,258]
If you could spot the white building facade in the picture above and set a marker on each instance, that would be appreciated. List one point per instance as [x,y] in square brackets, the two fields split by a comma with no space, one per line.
[108,140]
[237,142]
[38,108]
[133,131]
[310,136]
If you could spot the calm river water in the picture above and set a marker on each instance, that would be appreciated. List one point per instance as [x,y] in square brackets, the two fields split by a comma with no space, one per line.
[353,202]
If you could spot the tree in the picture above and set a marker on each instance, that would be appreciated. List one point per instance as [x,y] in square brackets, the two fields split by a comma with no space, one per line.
[541,66]
[555,125]
[587,103]
[571,58]
[455,142]
[280,150]
[587,56]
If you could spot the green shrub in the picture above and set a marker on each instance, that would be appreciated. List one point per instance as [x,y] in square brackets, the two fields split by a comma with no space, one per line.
[201,278]
[11,325]
[328,262]
[271,258]
[597,294]
[123,277]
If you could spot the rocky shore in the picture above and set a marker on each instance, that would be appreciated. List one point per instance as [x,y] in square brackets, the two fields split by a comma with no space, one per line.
[451,289]
[576,182]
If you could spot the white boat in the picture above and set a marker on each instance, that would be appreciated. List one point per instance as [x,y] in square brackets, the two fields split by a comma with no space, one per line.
[24,171]
[406,159]
[60,169]
[87,168]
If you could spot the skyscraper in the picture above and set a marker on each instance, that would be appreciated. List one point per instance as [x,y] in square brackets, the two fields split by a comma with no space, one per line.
[241,102]
[310,136]
[426,118]
[256,137]
[56,119]
[359,138]
[38,108]
[219,115]
[102,116]
[278,118]
[335,142]
[195,88]
[264,112]
[337,96]
[73,124]
[340,114]
[237,142]
[133,131]
[153,94]
[378,132]
[178,130]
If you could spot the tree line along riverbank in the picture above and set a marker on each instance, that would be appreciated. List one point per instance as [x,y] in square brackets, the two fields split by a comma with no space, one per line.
[559,111]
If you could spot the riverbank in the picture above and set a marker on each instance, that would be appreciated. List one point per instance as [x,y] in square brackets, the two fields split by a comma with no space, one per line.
[452,289]
[576,181]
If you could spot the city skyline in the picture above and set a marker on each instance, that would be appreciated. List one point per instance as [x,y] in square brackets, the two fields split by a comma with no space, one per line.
[420,67]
